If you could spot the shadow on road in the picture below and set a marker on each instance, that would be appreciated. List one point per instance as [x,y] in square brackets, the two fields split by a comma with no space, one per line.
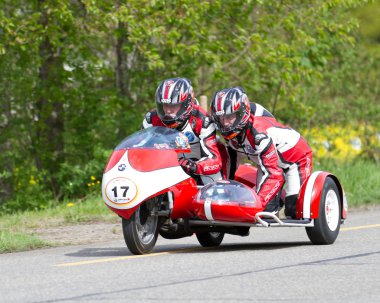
[176,249]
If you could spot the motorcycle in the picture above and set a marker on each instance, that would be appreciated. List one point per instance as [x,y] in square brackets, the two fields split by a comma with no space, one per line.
[145,185]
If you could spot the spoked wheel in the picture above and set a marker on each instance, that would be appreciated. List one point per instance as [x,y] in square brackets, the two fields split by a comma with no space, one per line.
[327,225]
[141,229]
[210,239]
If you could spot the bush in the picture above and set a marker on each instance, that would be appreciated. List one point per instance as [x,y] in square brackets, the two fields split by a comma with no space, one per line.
[30,190]
[81,180]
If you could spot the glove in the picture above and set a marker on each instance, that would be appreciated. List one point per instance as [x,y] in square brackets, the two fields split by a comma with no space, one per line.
[188,165]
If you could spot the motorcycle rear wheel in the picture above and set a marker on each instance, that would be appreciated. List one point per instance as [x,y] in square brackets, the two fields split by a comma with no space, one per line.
[327,225]
[141,229]
[210,239]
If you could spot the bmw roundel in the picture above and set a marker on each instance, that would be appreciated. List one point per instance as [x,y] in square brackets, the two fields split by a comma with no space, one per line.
[122,167]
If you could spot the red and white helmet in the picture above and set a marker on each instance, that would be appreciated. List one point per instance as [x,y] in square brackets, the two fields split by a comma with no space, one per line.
[230,110]
[177,93]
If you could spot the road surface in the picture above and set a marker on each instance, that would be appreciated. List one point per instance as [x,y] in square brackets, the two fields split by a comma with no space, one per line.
[271,265]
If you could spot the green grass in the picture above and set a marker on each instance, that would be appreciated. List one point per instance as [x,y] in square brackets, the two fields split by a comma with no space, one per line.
[359,178]
[17,229]
[13,241]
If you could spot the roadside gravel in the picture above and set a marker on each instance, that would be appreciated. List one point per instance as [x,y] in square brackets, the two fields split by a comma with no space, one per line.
[80,233]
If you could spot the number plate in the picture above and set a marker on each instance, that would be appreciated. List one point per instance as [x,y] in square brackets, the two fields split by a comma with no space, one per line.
[121,190]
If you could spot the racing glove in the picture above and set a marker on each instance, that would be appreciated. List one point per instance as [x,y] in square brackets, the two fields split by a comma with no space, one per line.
[188,165]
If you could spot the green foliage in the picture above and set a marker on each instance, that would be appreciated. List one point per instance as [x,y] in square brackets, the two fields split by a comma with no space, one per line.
[77,76]
[85,179]
[370,25]
[31,191]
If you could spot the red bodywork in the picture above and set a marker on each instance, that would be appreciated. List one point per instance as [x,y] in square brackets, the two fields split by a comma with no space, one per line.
[142,160]
[246,174]
[229,211]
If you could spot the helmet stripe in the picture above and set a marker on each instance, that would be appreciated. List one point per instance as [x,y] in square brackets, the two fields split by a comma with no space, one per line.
[167,89]
[219,103]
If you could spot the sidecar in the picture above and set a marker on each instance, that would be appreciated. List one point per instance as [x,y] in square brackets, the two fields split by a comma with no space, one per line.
[321,206]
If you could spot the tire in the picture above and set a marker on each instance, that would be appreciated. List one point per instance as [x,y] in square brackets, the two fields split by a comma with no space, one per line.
[210,239]
[141,229]
[327,225]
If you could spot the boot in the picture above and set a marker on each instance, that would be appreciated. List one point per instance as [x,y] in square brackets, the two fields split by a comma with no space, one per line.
[275,204]
[272,206]
[290,206]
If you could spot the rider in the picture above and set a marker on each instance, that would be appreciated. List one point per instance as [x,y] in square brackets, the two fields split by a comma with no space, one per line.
[279,151]
[176,107]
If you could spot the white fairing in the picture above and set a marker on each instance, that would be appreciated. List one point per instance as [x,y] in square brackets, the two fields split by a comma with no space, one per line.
[308,193]
[126,188]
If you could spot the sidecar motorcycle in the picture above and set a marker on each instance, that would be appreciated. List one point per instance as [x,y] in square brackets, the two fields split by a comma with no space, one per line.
[145,185]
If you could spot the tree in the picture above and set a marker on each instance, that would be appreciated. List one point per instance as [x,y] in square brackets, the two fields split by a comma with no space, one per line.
[77,76]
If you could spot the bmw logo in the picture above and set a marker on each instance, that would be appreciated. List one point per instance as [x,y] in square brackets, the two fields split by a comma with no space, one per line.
[122,167]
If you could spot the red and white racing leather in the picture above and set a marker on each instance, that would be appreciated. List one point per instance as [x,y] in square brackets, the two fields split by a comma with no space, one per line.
[201,132]
[278,150]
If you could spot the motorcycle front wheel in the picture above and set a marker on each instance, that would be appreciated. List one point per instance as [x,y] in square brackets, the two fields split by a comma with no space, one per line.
[141,229]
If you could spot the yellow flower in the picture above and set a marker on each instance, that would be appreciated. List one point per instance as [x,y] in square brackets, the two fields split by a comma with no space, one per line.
[70,204]
[88,184]
[32,181]
[93,178]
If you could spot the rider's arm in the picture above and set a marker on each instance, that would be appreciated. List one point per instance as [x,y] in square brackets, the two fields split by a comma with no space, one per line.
[272,178]
[210,161]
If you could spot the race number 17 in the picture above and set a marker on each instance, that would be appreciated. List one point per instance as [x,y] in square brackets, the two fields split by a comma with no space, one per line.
[125,188]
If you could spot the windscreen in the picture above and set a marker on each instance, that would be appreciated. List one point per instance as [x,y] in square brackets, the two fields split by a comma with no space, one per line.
[157,137]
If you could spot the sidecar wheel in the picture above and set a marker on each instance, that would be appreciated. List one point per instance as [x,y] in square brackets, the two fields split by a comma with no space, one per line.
[210,239]
[327,225]
[141,229]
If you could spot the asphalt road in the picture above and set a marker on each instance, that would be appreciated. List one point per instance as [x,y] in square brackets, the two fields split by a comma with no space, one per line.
[271,265]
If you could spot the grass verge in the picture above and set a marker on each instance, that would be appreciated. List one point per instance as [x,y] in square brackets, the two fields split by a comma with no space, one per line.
[359,178]
[17,229]
[14,241]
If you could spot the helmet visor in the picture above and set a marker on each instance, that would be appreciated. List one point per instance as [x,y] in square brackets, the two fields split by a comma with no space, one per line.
[171,111]
[228,122]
